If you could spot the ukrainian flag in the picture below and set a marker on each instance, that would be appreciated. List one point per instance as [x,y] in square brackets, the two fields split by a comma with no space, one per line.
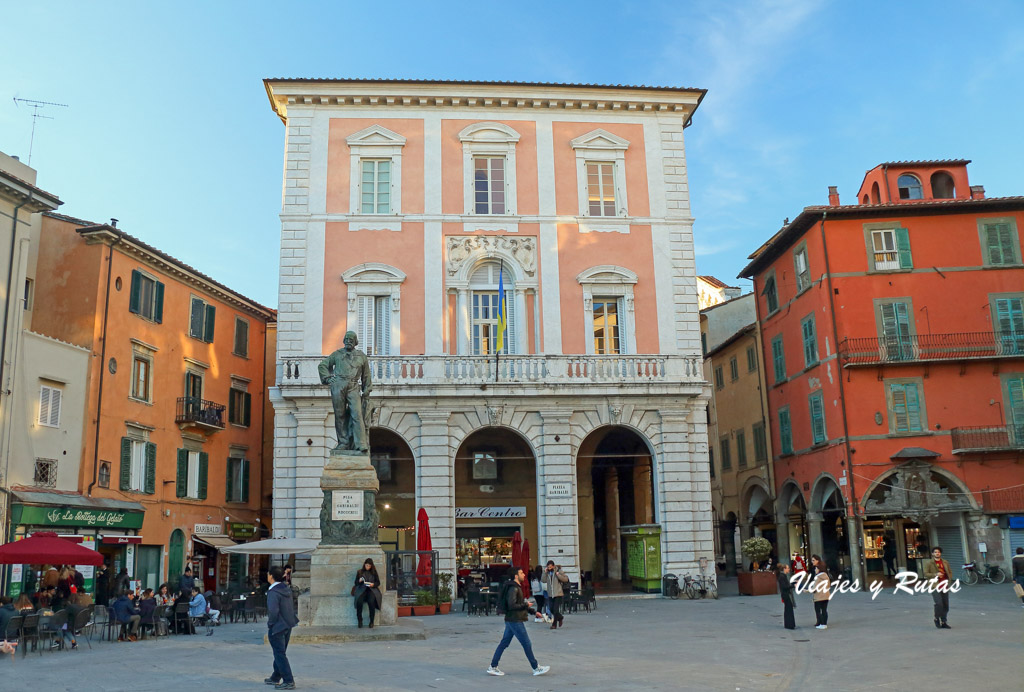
[502,310]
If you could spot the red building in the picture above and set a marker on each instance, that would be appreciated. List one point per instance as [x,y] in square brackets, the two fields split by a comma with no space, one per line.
[894,348]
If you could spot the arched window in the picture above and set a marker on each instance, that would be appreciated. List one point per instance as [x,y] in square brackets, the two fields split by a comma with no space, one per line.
[865,200]
[909,187]
[485,306]
[876,195]
[942,185]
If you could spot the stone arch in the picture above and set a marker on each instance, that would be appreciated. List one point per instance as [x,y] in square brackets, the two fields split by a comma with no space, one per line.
[465,254]
[884,481]
[820,492]
[754,490]
[790,495]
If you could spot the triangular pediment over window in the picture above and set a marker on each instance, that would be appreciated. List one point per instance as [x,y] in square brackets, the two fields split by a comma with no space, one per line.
[599,139]
[375,135]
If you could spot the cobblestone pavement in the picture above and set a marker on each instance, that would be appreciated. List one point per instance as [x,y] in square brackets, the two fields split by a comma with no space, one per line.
[736,643]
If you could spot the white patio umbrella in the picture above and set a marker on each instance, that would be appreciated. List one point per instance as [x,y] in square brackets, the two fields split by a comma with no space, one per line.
[274,546]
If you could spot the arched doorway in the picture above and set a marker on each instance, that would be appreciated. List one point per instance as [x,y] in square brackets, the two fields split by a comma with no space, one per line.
[794,509]
[827,500]
[615,478]
[175,555]
[396,499]
[495,496]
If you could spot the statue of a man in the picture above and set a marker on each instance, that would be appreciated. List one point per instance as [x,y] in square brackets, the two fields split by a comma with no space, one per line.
[347,372]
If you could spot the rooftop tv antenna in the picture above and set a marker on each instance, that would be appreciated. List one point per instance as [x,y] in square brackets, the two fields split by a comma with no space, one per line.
[36,115]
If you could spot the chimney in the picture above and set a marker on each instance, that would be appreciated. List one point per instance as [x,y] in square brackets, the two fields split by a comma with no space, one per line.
[833,196]
[977,192]
[16,158]
[113,222]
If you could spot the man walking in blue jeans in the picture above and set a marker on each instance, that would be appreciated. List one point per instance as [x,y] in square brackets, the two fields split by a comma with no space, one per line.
[280,620]
[516,612]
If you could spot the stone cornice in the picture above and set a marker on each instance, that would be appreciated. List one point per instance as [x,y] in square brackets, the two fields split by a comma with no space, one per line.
[341,93]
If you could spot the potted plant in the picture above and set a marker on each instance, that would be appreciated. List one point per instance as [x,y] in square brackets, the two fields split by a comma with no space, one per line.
[444,591]
[404,611]
[426,604]
[756,583]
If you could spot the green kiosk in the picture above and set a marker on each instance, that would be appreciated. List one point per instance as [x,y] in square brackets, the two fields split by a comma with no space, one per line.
[643,556]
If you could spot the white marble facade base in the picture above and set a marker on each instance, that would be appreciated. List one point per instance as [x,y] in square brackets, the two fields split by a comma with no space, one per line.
[329,602]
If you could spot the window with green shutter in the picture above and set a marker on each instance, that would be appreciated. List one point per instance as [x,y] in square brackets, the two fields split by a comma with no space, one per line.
[890,249]
[1015,408]
[241,337]
[816,405]
[1009,322]
[726,454]
[719,378]
[771,293]
[146,297]
[785,431]
[778,359]
[239,407]
[894,321]
[734,369]
[905,407]
[202,317]
[126,464]
[237,480]
[1000,245]
[150,485]
[751,359]
[741,449]
[802,268]
[181,476]
[204,464]
[760,444]
[810,341]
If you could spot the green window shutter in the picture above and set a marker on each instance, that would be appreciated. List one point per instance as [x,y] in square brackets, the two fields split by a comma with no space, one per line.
[1006,245]
[785,436]
[150,468]
[158,300]
[135,297]
[126,463]
[232,413]
[1015,392]
[181,477]
[810,342]
[993,250]
[204,463]
[248,409]
[913,407]
[245,480]
[903,247]
[228,484]
[197,311]
[779,359]
[211,313]
[816,404]
[898,394]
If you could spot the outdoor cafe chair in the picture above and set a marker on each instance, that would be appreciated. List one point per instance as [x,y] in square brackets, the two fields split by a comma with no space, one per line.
[29,632]
[83,624]
[100,617]
[13,632]
[249,609]
[181,619]
[51,629]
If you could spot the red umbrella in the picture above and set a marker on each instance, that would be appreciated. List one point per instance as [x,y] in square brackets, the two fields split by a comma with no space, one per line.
[517,550]
[47,548]
[525,559]
[424,568]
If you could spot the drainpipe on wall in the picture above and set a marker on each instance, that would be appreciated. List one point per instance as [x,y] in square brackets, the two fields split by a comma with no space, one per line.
[853,540]
[885,177]
[103,367]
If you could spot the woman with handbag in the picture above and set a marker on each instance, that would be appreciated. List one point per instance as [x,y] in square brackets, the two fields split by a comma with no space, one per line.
[366,589]
[788,597]
[821,592]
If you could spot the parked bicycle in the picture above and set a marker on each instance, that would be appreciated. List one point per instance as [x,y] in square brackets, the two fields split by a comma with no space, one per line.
[700,586]
[972,574]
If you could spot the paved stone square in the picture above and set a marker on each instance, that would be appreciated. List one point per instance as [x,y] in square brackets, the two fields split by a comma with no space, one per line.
[736,643]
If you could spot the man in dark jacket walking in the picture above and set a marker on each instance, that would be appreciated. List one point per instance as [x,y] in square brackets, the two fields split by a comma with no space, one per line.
[280,621]
[517,609]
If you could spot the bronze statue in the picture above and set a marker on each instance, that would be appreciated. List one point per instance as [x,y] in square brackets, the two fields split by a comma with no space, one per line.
[347,372]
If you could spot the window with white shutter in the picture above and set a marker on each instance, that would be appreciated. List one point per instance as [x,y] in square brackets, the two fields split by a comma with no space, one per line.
[49,406]
[374,316]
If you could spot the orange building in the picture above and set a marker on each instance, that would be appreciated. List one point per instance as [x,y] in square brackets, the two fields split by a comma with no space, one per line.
[175,396]
[894,344]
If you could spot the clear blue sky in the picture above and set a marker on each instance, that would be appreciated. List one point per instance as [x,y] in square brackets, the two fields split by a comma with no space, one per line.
[169,128]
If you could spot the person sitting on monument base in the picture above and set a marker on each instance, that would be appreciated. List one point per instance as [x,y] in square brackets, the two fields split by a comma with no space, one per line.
[347,373]
[366,589]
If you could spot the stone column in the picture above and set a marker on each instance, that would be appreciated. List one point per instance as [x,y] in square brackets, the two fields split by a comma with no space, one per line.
[684,491]
[558,517]
[857,567]
[814,538]
[522,322]
[435,484]
[463,332]
[782,538]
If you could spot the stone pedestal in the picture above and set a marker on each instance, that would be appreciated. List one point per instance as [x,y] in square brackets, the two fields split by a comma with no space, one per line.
[348,536]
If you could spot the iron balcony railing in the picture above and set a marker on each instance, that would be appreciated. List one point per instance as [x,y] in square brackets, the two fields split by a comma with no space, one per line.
[988,438]
[192,409]
[931,347]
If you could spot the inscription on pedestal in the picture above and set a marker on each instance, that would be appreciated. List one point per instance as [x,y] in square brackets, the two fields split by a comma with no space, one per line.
[361,531]
[347,505]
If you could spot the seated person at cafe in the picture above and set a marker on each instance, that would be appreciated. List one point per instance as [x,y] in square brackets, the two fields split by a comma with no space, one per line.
[127,615]
[214,607]
[45,597]
[7,612]
[22,603]
[197,606]
[147,608]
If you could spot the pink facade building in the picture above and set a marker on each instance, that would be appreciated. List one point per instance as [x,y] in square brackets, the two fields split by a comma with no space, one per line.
[406,205]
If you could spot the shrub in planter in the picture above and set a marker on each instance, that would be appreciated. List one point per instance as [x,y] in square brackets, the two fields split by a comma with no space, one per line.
[404,611]
[756,549]
[445,581]
[426,604]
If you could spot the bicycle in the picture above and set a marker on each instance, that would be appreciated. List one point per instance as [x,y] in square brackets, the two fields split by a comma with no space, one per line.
[971,574]
[700,586]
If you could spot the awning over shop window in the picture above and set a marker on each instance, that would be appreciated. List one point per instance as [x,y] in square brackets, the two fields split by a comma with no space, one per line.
[215,541]
[121,540]
[55,508]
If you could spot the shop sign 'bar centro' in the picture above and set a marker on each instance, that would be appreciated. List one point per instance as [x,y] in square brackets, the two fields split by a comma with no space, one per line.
[51,516]
[490,512]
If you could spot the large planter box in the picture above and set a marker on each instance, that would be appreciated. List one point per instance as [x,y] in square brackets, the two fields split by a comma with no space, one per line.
[404,611]
[445,608]
[422,610]
[757,583]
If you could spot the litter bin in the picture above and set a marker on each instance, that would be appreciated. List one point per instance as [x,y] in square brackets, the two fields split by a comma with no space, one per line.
[670,585]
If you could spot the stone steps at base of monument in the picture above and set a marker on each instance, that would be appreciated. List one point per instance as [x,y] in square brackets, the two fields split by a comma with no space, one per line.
[625,596]
[344,635]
